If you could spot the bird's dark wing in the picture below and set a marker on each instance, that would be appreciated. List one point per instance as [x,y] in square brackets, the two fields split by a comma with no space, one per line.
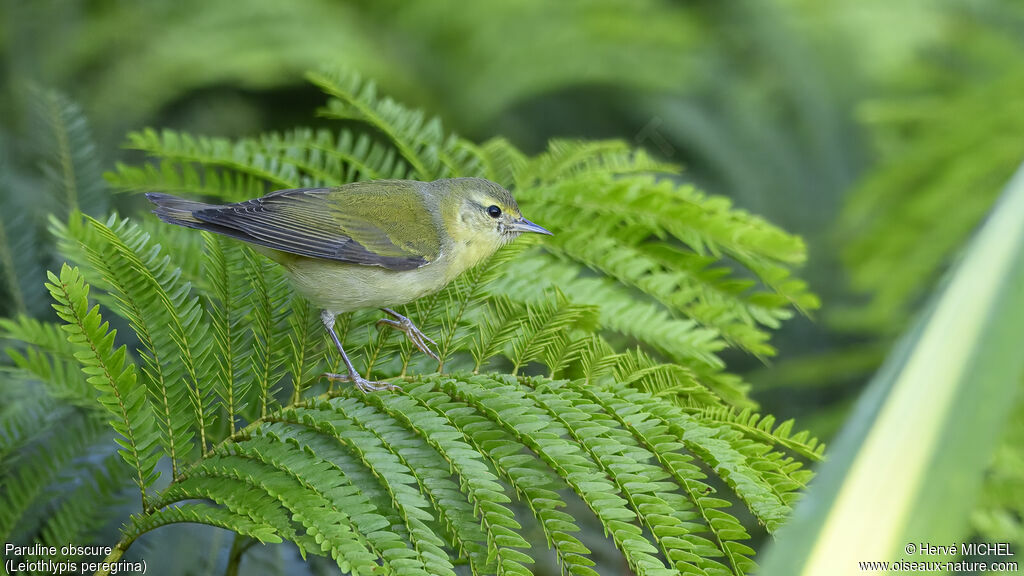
[383,224]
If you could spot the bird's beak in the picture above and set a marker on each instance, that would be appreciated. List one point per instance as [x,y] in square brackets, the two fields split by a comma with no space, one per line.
[524,225]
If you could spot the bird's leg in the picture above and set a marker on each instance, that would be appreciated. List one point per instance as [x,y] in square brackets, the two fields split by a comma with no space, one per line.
[362,383]
[418,338]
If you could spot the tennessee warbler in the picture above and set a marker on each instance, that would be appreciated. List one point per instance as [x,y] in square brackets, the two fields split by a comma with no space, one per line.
[367,244]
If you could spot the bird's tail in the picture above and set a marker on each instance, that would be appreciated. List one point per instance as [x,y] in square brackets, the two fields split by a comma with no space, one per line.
[174,210]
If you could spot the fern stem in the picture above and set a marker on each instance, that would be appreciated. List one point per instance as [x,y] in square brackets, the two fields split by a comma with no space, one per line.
[264,345]
[239,544]
[231,391]
[327,178]
[200,410]
[165,404]
[449,337]
[115,554]
[472,282]
[229,352]
[519,361]
[376,348]
[351,160]
[300,349]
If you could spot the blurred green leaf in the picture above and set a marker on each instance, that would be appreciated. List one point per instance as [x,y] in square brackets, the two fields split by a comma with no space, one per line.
[908,465]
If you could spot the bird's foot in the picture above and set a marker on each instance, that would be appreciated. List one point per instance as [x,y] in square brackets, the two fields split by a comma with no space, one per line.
[363,384]
[417,337]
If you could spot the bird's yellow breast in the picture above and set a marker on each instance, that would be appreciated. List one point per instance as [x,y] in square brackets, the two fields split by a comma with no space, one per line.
[340,287]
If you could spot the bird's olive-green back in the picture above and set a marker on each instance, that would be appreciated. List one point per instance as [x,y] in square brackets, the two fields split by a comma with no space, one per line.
[395,224]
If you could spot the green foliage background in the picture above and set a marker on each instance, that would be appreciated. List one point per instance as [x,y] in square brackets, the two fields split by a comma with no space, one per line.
[880,132]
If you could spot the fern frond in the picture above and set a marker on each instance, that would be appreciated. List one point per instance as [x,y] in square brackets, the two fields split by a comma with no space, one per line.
[637,369]
[243,497]
[567,159]
[307,347]
[71,162]
[22,421]
[650,494]
[441,449]
[609,223]
[897,226]
[716,447]
[763,428]
[368,437]
[224,268]
[198,514]
[41,450]
[724,531]
[111,372]
[23,257]
[504,405]
[331,161]
[457,431]
[546,332]
[368,479]
[683,340]
[87,506]
[321,501]
[356,99]
[48,358]
[189,250]
[171,325]
[419,140]
[501,160]
[72,236]
[242,157]
[268,301]
[252,167]
[176,176]
[496,328]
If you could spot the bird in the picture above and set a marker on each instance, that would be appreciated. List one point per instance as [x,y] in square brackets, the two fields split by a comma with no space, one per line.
[369,244]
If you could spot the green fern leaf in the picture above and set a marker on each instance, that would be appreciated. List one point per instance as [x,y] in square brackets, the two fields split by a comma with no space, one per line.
[224,267]
[71,162]
[111,372]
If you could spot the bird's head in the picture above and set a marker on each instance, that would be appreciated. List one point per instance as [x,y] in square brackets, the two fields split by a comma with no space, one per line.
[481,215]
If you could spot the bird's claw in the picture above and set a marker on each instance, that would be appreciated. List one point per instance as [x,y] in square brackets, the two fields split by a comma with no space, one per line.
[363,384]
[415,335]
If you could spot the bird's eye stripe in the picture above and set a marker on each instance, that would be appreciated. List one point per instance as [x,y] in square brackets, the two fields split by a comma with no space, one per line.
[493,211]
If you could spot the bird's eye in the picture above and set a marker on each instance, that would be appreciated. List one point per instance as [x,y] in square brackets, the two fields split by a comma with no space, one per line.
[494,211]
